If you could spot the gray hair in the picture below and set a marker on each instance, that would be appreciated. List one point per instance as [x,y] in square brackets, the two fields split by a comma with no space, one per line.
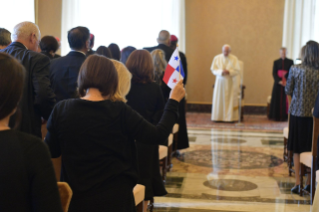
[159,63]
[24,29]
[226,45]
[163,37]
[5,37]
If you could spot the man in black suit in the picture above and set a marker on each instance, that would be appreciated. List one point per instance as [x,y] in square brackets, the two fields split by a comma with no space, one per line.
[64,71]
[5,38]
[164,41]
[38,98]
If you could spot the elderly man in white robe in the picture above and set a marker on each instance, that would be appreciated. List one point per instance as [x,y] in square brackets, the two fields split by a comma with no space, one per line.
[225,67]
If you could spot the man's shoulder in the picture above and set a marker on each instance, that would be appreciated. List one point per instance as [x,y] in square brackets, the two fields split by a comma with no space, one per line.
[67,59]
[17,51]
[150,48]
[278,60]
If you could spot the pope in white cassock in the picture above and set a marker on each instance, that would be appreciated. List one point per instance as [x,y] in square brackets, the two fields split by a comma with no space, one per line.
[225,67]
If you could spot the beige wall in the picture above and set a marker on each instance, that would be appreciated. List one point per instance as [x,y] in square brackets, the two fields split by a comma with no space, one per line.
[49,14]
[253,28]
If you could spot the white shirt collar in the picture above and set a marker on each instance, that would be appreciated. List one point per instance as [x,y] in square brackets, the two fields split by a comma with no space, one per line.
[78,51]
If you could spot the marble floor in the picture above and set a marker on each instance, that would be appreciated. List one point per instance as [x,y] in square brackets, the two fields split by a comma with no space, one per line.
[227,170]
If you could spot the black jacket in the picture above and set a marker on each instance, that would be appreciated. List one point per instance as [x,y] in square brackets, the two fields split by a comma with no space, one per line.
[38,98]
[167,50]
[64,73]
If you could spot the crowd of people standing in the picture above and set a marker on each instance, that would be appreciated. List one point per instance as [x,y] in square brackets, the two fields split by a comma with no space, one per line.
[106,112]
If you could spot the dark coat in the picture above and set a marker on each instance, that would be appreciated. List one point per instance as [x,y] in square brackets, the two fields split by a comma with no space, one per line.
[184,64]
[90,52]
[278,110]
[48,55]
[38,98]
[64,73]
[167,50]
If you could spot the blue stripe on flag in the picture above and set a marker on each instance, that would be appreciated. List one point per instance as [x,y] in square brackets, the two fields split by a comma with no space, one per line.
[182,70]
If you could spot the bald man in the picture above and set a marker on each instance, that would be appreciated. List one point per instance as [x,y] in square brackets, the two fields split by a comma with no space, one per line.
[38,98]
[164,42]
[225,67]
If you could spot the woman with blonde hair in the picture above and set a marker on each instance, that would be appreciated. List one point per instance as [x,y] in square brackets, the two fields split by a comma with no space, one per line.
[125,77]
[95,136]
[160,64]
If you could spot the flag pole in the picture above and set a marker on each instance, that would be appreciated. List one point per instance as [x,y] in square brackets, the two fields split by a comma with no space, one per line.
[180,67]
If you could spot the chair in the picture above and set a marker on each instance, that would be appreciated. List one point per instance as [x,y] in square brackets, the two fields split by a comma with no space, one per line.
[240,84]
[315,205]
[308,159]
[268,106]
[139,195]
[169,153]
[65,195]
[57,167]
[287,156]
[162,152]
[175,136]
[172,137]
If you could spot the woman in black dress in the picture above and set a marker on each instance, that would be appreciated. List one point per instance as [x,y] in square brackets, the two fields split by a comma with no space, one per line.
[302,89]
[27,180]
[95,137]
[147,99]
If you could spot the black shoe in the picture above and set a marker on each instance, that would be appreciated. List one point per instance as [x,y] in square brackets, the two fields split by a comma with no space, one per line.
[296,189]
[307,188]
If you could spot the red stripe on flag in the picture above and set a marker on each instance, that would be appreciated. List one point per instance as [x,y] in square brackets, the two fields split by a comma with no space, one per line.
[168,73]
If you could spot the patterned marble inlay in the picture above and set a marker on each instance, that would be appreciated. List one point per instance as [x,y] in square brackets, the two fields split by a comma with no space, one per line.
[228,140]
[272,142]
[162,209]
[230,185]
[225,159]
[257,199]
[174,182]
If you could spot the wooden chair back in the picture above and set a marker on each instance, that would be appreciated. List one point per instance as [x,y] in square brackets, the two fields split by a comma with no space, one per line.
[65,195]
[315,134]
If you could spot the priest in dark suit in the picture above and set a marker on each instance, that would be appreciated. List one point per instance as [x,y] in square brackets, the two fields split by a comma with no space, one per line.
[38,98]
[278,104]
[164,42]
[64,71]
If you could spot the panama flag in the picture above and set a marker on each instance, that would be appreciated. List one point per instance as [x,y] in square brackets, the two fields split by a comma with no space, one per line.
[174,70]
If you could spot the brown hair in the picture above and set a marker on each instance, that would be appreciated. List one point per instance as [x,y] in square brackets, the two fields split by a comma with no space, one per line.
[11,84]
[98,72]
[102,50]
[140,64]
[311,56]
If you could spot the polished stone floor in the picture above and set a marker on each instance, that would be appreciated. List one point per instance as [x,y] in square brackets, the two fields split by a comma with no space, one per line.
[231,171]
